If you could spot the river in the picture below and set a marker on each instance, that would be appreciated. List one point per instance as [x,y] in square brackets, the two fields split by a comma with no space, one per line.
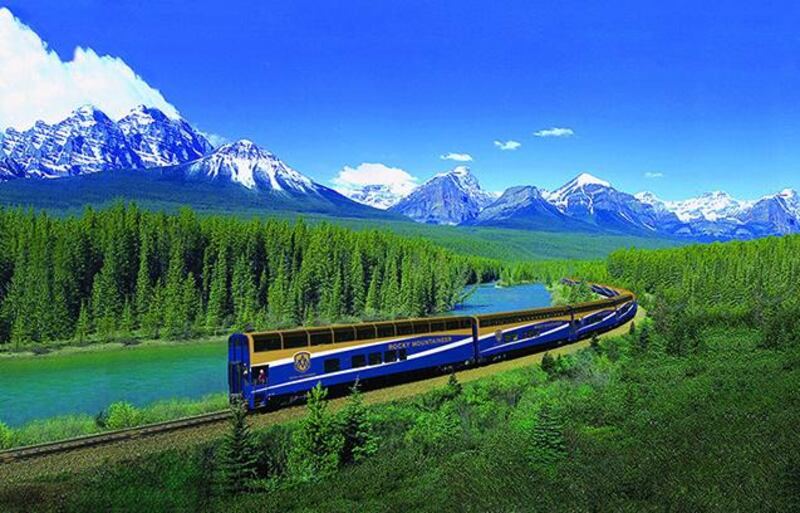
[41,387]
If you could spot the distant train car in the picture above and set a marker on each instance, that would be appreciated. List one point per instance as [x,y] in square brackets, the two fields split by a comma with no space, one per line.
[262,366]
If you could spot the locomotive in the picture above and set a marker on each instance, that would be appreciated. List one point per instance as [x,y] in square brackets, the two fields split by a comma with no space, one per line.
[266,366]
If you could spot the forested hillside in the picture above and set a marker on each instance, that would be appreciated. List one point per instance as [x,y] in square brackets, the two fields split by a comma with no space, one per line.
[123,270]
[751,284]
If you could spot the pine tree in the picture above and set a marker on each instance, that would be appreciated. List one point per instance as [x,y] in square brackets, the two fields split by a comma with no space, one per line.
[453,388]
[358,286]
[217,309]
[238,456]
[126,322]
[547,447]
[372,301]
[360,439]
[317,444]
[83,326]
[548,364]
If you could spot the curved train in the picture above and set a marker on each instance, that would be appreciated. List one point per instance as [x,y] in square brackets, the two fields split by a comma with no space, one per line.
[266,366]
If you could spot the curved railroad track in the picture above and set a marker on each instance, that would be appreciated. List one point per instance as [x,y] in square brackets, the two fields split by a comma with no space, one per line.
[107,437]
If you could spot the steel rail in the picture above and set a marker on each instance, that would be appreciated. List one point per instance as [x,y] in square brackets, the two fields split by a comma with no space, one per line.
[107,437]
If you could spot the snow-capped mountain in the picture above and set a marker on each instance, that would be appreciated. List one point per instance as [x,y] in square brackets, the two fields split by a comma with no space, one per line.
[447,198]
[524,207]
[594,201]
[247,164]
[160,141]
[9,169]
[711,206]
[375,195]
[88,141]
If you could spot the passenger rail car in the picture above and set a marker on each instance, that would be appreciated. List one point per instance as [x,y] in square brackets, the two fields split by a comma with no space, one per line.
[264,366]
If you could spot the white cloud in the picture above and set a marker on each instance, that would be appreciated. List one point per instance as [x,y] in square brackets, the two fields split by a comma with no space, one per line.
[653,174]
[554,132]
[36,84]
[216,140]
[508,145]
[458,157]
[396,180]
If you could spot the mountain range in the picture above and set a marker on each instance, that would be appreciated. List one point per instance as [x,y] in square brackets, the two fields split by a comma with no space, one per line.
[149,156]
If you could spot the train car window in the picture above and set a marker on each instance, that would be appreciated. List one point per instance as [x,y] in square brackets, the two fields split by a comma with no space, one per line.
[402,354]
[375,359]
[331,365]
[295,339]
[358,360]
[437,326]
[452,325]
[321,337]
[268,342]
[422,327]
[365,332]
[390,356]
[386,330]
[405,328]
[344,334]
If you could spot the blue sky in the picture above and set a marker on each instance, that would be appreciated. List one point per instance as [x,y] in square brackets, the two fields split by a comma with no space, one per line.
[707,97]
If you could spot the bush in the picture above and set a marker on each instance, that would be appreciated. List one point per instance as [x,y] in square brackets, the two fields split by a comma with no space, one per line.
[6,436]
[120,415]
[549,364]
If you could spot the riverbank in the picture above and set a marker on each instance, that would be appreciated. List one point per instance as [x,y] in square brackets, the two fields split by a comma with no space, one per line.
[96,347]
[132,343]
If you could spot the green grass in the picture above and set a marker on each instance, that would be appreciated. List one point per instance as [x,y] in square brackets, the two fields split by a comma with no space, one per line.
[69,426]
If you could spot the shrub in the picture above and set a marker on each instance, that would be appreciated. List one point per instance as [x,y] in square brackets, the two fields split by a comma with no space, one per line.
[120,415]
[6,436]
[548,364]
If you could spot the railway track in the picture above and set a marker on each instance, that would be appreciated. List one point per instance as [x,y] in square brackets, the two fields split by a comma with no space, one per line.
[108,437]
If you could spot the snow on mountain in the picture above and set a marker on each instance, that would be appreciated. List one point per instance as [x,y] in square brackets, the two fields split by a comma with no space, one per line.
[778,214]
[9,169]
[375,195]
[711,206]
[447,198]
[523,207]
[594,201]
[88,141]
[578,193]
[160,141]
[245,163]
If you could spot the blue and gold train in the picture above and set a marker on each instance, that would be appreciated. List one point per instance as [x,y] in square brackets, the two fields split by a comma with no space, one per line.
[280,364]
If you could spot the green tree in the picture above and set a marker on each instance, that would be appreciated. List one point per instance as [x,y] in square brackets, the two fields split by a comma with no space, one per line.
[238,457]
[546,446]
[358,431]
[83,327]
[548,364]
[318,442]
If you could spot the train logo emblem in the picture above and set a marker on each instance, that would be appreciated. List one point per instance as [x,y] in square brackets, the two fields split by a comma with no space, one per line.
[302,361]
[498,336]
